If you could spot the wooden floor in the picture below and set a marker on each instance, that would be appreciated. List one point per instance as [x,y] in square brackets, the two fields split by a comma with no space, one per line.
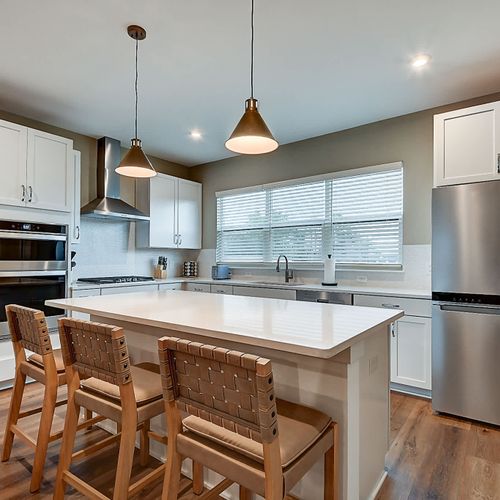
[431,457]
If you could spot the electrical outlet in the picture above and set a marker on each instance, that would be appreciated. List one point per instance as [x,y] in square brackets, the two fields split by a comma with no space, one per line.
[362,279]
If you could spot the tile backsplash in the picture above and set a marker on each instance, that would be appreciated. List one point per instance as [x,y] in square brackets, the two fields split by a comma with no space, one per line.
[107,248]
[416,272]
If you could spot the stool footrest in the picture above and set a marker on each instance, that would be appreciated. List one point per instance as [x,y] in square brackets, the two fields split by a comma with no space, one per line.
[94,448]
[83,487]
[148,478]
[21,434]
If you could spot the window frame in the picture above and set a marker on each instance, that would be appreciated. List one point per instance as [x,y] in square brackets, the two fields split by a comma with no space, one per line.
[327,242]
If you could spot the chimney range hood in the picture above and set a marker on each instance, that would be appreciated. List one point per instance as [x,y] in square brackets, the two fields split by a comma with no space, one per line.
[108,204]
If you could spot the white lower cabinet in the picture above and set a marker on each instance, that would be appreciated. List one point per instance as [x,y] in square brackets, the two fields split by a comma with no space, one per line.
[169,286]
[197,287]
[7,364]
[129,289]
[411,352]
[270,293]
[224,289]
[91,292]
[410,340]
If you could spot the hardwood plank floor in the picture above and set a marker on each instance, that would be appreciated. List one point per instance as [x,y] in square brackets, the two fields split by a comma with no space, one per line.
[431,457]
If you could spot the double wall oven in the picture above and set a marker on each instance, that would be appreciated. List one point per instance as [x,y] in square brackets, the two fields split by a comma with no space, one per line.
[33,268]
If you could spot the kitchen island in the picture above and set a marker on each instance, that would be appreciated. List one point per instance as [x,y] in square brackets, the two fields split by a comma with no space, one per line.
[331,357]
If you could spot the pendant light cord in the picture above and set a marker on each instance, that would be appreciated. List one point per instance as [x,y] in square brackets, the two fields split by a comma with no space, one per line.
[251,49]
[135,86]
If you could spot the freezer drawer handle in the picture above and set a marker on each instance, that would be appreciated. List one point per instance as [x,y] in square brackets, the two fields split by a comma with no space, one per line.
[470,309]
[391,306]
[323,301]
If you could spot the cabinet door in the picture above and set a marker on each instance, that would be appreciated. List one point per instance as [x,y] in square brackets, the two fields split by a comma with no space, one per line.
[270,293]
[162,233]
[225,289]
[411,352]
[129,289]
[467,145]
[13,144]
[189,214]
[50,171]
[75,229]
[169,286]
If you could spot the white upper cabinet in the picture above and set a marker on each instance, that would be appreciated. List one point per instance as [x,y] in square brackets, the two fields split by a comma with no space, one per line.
[13,141]
[188,214]
[75,226]
[174,208]
[36,169]
[50,171]
[467,145]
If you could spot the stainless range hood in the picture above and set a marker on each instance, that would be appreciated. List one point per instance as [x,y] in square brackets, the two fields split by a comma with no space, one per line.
[108,204]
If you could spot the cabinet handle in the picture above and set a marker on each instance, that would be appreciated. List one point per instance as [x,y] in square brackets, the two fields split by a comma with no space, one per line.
[391,306]
[77,229]
[23,195]
[175,239]
[498,163]
[30,198]
[179,241]
[393,330]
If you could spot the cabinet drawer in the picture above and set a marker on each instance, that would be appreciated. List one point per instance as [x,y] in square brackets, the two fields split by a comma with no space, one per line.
[227,289]
[411,307]
[129,289]
[91,292]
[270,293]
[170,286]
[198,287]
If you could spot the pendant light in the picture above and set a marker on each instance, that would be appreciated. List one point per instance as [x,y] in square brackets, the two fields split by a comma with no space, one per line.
[135,163]
[251,136]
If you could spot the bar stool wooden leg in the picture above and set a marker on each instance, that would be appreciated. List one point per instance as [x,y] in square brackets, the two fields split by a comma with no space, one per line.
[88,416]
[198,482]
[144,448]
[48,407]
[127,444]
[245,494]
[174,459]
[68,440]
[273,471]
[330,469]
[13,415]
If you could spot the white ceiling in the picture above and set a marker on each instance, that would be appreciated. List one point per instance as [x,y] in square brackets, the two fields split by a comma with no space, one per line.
[321,65]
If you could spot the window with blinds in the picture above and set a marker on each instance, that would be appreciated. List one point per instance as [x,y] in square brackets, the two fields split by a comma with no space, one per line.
[358,218]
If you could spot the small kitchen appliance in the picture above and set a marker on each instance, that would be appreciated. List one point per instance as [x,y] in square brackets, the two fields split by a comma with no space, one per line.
[221,272]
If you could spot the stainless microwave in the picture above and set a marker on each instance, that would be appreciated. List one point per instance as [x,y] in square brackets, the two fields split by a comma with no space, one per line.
[221,272]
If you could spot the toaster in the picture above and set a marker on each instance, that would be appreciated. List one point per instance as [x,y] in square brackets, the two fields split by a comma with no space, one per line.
[221,272]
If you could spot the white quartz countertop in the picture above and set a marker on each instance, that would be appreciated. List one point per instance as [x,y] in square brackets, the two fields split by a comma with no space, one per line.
[362,290]
[319,330]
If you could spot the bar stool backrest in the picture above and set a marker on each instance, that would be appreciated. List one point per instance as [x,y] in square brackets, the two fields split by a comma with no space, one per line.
[28,328]
[95,350]
[228,388]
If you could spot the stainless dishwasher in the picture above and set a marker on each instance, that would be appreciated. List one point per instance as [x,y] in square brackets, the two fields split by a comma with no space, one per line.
[325,297]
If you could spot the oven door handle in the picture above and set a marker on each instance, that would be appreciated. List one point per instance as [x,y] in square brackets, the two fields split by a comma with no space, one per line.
[21,235]
[28,274]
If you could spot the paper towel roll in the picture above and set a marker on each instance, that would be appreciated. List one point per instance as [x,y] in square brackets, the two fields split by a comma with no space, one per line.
[329,273]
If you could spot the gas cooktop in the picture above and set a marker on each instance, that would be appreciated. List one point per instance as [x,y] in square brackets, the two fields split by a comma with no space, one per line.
[116,279]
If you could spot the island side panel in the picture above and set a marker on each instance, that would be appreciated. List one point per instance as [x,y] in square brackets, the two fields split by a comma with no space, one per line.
[341,387]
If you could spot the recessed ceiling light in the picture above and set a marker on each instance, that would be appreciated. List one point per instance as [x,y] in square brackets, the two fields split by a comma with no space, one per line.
[421,60]
[195,134]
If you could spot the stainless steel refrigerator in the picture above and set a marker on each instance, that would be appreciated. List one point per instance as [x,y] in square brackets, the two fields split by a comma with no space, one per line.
[466,300]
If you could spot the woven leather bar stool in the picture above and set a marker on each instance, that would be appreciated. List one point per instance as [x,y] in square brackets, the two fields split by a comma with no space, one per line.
[28,330]
[235,426]
[101,379]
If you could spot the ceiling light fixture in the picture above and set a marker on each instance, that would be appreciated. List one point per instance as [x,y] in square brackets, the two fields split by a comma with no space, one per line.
[421,60]
[135,163]
[195,134]
[251,136]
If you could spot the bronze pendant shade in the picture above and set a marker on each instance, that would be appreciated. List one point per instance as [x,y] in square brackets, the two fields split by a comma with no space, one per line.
[135,163]
[251,136]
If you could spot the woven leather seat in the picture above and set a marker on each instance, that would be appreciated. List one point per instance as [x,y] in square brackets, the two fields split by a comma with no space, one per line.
[300,427]
[37,360]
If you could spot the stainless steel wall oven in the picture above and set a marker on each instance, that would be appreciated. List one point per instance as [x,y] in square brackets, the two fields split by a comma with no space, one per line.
[33,267]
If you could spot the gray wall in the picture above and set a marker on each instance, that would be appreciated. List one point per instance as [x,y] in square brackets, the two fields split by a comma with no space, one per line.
[407,138]
[88,148]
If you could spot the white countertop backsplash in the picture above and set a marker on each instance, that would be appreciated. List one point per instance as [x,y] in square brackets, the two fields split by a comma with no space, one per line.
[107,248]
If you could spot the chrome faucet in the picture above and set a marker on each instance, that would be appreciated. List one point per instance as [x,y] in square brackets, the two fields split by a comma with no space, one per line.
[288,272]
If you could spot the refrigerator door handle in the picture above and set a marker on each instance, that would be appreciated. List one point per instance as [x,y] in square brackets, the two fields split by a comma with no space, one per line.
[469,309]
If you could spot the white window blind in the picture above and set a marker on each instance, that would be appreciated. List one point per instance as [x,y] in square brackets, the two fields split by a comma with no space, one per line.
[357,217]
[367,213]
